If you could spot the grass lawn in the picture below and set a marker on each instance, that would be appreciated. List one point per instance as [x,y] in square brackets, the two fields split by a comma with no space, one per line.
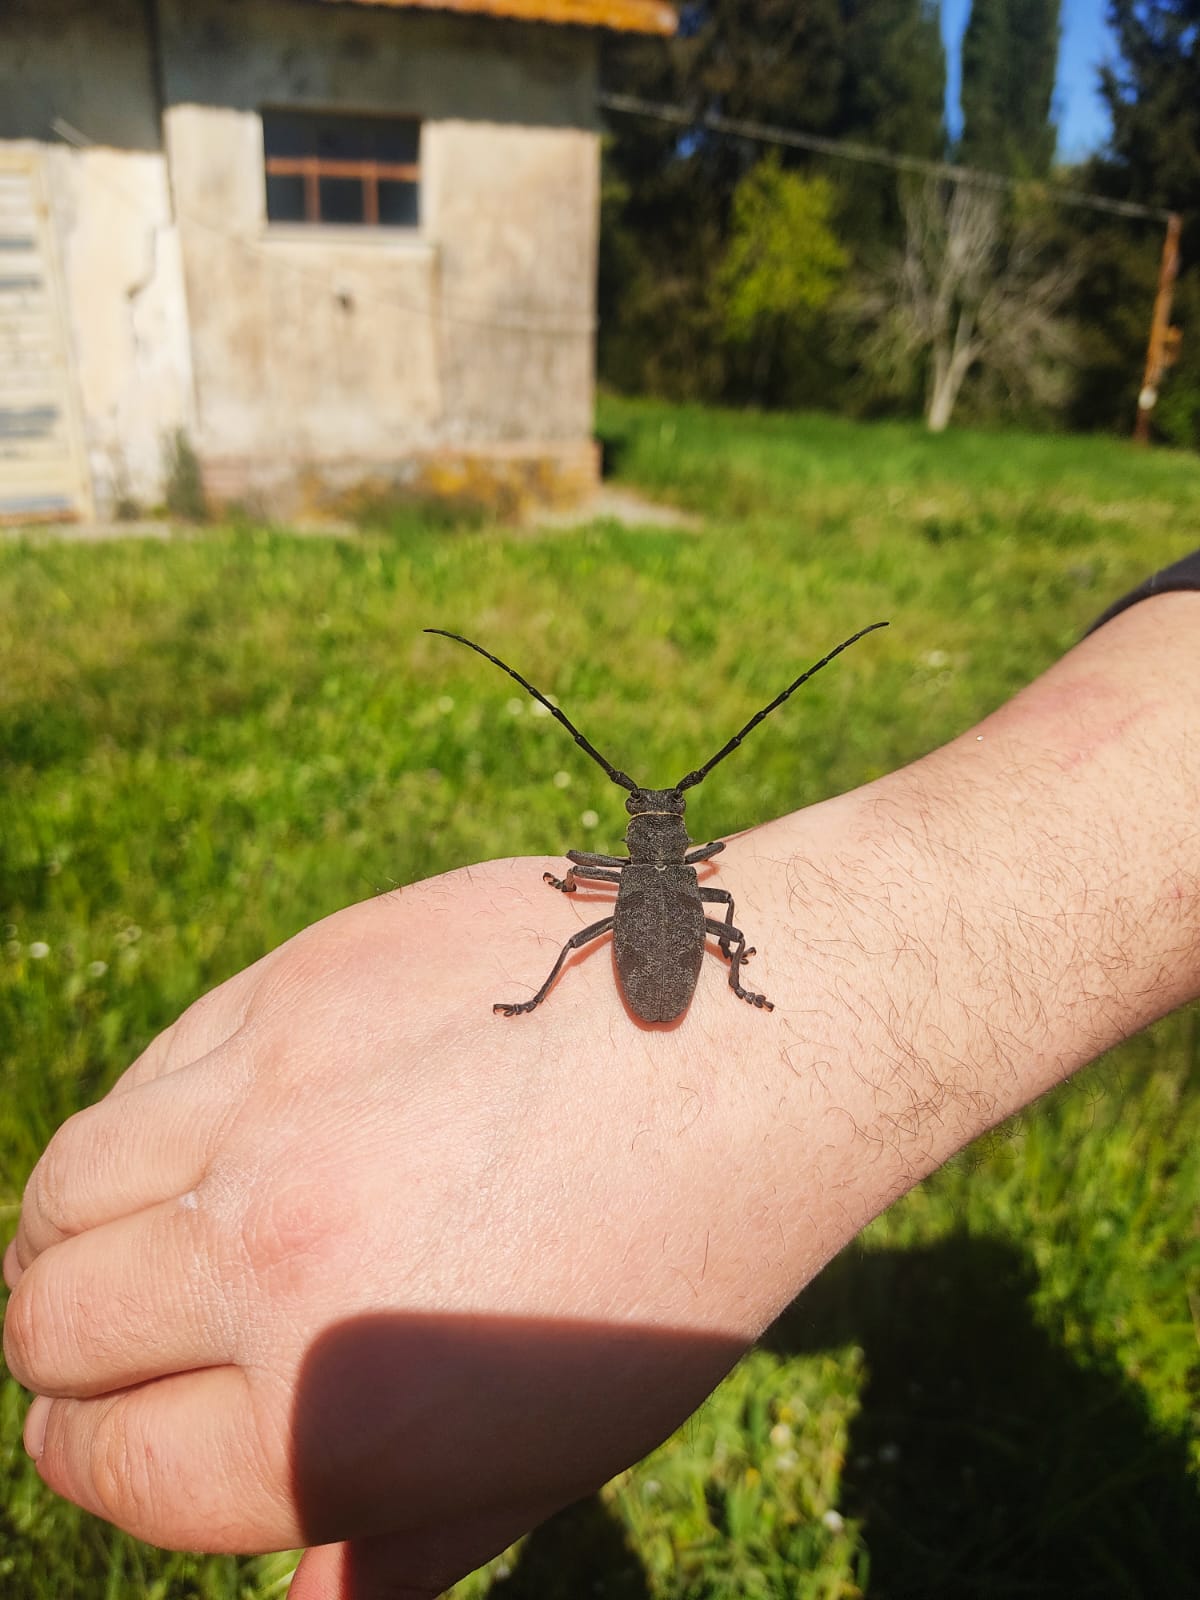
[206,744]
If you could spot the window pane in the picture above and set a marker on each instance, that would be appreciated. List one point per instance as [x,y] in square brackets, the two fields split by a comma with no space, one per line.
[285,199]
[341,200]
[344,139]
[398,204]
[399,141]
[287,133]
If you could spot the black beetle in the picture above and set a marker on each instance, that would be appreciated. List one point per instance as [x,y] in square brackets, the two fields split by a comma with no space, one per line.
[659,924]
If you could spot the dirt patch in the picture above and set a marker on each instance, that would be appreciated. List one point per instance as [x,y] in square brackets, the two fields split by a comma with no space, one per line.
[617,505]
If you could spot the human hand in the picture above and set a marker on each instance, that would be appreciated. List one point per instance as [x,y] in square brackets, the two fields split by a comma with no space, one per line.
[346,1256]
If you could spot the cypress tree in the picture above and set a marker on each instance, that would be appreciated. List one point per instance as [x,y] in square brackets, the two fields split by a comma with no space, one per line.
[1009,62]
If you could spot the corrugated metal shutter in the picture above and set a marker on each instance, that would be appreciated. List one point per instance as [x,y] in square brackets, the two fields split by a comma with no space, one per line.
[42,472]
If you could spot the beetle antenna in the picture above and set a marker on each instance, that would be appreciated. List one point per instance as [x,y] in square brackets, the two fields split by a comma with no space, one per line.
[694,778]
[617,776]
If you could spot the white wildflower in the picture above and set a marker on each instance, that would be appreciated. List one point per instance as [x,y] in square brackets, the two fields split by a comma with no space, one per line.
[38,951]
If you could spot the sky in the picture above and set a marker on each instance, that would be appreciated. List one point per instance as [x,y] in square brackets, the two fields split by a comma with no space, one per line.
[1086,42]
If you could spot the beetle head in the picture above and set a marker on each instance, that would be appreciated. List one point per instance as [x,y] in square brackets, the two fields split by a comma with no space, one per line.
[655,802]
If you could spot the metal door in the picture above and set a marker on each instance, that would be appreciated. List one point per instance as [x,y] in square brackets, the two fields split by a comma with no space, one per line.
[43,476]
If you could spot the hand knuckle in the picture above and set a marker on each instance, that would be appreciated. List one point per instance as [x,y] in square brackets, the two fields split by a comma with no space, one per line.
[122,1473]
[50,1184]
[20,1333]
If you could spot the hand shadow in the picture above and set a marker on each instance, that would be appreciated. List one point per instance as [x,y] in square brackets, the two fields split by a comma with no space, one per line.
[558,1408]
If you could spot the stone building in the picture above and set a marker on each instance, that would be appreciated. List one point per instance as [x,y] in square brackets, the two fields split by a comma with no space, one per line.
[310,244]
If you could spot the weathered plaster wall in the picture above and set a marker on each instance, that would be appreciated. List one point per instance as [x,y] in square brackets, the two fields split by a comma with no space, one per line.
[118,245]
[319,346]
[280,350]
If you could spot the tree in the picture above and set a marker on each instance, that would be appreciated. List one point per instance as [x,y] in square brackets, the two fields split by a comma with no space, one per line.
[972,292]
[1153,95]
[1009,61]
[868,69]
[782,267]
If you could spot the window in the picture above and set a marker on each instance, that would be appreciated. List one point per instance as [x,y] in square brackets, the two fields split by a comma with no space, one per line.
[342,171]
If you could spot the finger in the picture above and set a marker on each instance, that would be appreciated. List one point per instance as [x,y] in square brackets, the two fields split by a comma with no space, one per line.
[207,1024]
[186,1462]
[120,1305]
[125,1153]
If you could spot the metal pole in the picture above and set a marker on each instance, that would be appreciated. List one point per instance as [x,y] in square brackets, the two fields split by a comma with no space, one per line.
[1159,325]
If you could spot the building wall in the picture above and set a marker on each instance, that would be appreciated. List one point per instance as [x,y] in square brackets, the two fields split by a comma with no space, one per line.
[325,352]
[119,249]
[294,355]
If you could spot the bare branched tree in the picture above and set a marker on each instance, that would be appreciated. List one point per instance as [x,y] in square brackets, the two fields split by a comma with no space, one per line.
[973,290]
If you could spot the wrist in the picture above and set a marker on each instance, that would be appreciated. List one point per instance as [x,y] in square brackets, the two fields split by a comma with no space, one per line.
[946,944]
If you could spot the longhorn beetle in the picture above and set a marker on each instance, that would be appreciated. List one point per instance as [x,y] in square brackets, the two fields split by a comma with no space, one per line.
[659,926]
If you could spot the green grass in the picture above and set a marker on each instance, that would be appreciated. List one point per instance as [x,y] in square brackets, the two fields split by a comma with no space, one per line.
[206,744]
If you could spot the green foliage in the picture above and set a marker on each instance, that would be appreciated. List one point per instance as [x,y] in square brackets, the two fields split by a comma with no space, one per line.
[207,744]
[1153,95]
[184,493]
[1009,59]
[783,262]
[866,69]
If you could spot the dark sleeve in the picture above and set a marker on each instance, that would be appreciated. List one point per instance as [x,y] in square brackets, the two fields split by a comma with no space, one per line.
[1183,574]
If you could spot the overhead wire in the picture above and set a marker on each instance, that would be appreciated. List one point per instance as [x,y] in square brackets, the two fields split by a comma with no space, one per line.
[875,155]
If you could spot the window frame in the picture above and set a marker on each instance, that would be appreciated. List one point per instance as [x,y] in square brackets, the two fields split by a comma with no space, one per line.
[369,172]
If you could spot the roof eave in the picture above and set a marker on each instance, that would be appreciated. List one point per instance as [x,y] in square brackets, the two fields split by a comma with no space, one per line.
[619,16]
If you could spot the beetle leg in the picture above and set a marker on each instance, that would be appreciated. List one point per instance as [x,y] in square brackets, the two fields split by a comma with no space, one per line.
[585,936]
[704,853]
[726,930]
[588,858]
[568,884]
[723,897]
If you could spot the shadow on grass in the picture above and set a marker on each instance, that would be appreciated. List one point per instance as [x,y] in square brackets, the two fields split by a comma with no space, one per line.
[583,1551]
[984,1461]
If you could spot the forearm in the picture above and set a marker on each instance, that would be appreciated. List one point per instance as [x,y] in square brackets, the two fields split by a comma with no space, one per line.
[953,940]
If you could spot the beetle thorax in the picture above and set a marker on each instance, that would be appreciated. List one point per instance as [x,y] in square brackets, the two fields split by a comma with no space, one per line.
[656,833]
